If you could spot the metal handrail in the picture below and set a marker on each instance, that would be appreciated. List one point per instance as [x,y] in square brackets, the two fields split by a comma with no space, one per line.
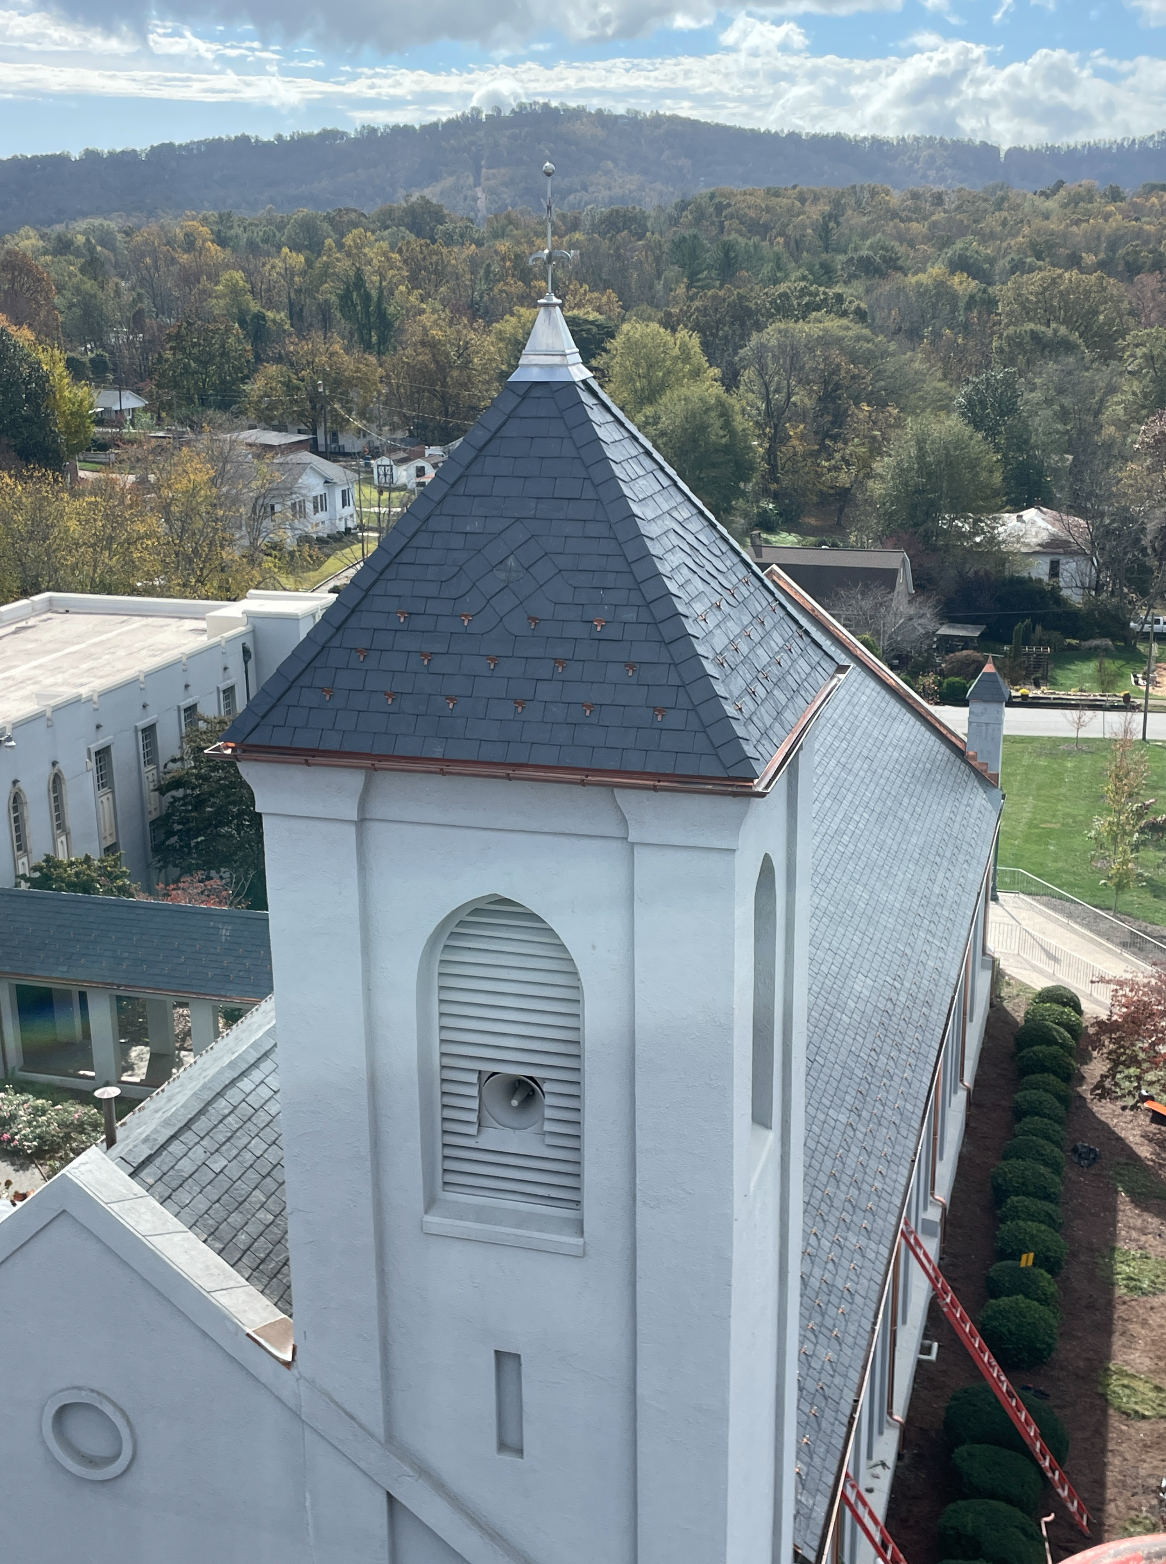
[1102,925]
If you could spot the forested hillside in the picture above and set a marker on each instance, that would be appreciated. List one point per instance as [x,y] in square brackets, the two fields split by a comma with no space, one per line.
[857,365]
[478,164]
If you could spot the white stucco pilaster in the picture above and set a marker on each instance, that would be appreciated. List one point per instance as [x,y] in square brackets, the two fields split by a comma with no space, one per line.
[315,873]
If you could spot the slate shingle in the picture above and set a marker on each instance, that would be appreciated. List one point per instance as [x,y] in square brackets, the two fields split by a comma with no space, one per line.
[903,829]
[595,555]
[207,1147]
[116,942]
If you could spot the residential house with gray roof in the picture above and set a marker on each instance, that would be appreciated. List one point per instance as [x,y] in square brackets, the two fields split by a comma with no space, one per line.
[628,939]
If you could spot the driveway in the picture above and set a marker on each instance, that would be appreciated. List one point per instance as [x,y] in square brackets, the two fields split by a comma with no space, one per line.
[1054,724]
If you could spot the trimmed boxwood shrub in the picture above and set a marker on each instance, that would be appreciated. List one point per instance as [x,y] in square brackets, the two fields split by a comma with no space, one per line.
[1058,994]
[1020,1333]
[1041,1034]
[1046,1060]
[954,692]
[1042,1105]
[1029,1148]
[1052,1086]
[1016,1238]
[975,1417]
[1057,1015]
[1042,1129]
[1010,1279]
[987,1472]
[989,1529]
[1022,1208]
[1025,1178]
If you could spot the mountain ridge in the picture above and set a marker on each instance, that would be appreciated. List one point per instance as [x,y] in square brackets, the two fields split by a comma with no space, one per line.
[474,164]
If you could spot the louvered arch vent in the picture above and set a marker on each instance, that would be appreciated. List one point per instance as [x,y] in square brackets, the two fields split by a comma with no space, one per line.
[510,1003]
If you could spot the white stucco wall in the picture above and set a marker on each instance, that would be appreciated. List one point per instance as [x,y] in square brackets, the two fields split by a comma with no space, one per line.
[657,1364]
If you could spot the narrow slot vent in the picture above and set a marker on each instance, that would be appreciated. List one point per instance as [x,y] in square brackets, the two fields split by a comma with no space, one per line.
[509,1003]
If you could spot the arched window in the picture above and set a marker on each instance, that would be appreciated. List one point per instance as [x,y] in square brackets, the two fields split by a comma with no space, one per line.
[18,824]
[59,812]
[510,1025]
[764,992]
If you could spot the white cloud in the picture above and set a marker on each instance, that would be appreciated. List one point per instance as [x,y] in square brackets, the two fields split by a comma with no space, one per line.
[762,74]
[1153,12]
[51,35]
[493,23]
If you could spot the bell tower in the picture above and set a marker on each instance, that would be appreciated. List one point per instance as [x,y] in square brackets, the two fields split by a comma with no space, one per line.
[536,796]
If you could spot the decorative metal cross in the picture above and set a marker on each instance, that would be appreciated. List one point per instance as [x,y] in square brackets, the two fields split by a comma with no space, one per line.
[550,255]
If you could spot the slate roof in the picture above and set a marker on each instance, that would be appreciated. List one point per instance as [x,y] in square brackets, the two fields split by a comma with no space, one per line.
[903,829]
[115,942]
[207,1147]
[555,598]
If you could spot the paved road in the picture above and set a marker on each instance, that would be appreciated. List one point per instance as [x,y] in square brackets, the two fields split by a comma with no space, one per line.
[1054,724]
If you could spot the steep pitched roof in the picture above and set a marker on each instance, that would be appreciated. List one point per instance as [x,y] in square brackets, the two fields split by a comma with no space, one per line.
[116,942]
[556,598]
[207,1146]
[903,832]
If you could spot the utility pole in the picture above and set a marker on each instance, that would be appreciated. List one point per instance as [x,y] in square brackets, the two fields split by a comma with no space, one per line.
[1149,676]
[324,414]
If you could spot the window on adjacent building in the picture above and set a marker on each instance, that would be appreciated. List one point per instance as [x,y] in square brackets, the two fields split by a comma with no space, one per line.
[510,1026]
[106,810]
[18,825]
[345,498]
[419,470]
[764,992]
[149,743]
[1054,569]
[58,809]
[228,697]
[190,717]
[319,504]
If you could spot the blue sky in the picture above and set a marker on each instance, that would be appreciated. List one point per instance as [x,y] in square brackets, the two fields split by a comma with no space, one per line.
[1009,71]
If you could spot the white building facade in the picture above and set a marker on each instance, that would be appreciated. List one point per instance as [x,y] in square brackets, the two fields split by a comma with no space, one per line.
[96,694]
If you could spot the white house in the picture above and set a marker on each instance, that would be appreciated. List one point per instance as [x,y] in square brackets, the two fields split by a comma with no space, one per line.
[312,495]
[627,928]
[95,695]
[1051,546]
[115,405]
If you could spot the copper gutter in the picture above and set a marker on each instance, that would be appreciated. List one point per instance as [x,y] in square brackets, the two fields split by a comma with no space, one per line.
[507,772]
[869,662]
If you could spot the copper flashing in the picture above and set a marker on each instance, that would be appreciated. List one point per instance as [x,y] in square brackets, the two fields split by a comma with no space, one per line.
[580,777]
[278,1338]
[860,654]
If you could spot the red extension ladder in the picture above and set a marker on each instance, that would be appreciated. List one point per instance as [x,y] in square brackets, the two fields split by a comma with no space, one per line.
[869,1524]
[961,1323]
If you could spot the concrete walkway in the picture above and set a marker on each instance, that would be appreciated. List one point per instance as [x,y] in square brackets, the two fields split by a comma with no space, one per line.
[1055,724]
[1037,947]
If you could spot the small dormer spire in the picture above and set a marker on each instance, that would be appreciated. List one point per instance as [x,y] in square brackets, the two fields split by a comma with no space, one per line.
[550,255]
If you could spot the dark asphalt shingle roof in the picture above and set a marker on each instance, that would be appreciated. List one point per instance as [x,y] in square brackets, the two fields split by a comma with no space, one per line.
[207,1147]
[903,829]
[116,942]
[555,597]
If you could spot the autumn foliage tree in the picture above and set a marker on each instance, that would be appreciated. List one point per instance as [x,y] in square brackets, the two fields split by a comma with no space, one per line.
[1131,1040]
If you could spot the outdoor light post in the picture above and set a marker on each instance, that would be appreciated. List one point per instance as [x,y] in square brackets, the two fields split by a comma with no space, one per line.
[107,1096]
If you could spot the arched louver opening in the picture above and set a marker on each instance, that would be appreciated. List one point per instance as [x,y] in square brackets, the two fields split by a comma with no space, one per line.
[510,1016]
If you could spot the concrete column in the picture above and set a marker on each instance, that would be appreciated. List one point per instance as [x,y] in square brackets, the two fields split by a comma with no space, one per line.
[11,1056]
[160,1025]
[203,1024]
[103,1037]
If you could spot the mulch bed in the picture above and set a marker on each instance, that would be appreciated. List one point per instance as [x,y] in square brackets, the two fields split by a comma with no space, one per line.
[1115,1463]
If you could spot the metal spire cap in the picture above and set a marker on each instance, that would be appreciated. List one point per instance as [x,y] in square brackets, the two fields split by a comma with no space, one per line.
[550,352]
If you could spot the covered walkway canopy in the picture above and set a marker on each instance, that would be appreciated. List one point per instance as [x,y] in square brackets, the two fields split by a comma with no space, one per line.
[105,990]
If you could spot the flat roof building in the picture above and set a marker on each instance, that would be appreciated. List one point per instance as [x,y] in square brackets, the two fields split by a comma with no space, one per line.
[96,693]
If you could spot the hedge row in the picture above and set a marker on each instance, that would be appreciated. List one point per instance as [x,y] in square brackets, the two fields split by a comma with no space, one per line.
[1002,1484]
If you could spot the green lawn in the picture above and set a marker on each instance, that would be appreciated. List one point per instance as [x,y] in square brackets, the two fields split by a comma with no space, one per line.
[1074,670]
[1054,792]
